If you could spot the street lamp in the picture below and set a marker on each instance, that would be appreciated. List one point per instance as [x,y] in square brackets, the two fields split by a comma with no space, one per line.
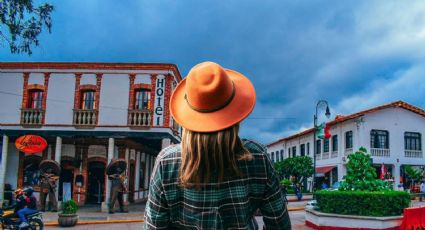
[320,103]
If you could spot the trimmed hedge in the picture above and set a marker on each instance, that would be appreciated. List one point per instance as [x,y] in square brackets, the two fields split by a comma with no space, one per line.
[362,203]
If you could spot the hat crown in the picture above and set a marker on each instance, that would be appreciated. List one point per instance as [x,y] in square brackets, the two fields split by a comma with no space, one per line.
[208,86]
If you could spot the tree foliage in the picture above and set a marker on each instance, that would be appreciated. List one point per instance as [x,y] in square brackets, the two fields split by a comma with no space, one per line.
[361,176]
[298,167]
[413,174]
[21,23]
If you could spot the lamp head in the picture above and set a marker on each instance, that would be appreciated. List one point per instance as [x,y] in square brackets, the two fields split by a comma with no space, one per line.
[328,112]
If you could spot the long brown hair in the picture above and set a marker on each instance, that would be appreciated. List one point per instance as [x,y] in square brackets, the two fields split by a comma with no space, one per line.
[205,155]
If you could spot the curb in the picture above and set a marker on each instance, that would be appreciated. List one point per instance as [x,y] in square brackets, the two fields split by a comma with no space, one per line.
[55,223]
[296,209]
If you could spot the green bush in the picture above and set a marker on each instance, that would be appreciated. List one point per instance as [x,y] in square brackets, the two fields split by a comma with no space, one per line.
[363,203]
[69,207]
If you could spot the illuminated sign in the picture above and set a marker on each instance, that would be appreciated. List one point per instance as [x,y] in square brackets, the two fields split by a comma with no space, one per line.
[31,144]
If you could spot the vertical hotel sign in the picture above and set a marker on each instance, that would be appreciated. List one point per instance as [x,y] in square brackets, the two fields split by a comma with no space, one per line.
[158,111]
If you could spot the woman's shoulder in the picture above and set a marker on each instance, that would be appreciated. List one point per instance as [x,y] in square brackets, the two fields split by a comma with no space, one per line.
[170,152]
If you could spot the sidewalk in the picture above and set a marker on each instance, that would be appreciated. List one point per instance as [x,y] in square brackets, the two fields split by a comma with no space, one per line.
[91,214]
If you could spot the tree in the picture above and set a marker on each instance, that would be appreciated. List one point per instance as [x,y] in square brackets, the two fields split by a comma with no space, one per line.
[21,23]
[298,167]
[361,175]
[413,174]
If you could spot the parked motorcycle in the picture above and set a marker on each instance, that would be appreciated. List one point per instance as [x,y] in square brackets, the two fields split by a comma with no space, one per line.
[35,220]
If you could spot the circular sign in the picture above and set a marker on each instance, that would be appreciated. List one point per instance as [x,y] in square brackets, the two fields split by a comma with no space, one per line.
[30,144]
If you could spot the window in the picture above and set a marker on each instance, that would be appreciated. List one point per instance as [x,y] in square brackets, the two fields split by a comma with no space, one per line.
[308,148]
[281,154]
[273,156]
[36,99]
[379,139]
[318,146]
[349,139]
[289,152]
[326,145]
[412,141]
[142,99]
[335,143]
[294,151]
[302,149]
[88,100]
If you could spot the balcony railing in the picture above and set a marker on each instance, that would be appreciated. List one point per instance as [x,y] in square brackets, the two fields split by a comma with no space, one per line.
[32,117]
[413,153]
[139,118]
[348,151]
[334,154]
[85,117]
[380,152]
[318,156]
[325,155]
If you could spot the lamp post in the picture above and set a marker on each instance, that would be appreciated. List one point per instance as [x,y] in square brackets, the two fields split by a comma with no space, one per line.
[328,114]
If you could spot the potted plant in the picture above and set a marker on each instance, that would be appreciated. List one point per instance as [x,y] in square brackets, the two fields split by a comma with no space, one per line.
[68,217]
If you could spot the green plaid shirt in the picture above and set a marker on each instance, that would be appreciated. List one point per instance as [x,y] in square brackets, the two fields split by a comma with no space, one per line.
[228,205]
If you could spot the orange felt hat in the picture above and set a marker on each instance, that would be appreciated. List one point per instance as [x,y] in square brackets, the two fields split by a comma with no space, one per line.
[212,98]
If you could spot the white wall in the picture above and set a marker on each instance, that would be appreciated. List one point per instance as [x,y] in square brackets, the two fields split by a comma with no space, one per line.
[11,85]
[60,99]
[114,99]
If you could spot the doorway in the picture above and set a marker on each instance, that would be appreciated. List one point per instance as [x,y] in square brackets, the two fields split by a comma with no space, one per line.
[131,182]
[66,184]
[96,182]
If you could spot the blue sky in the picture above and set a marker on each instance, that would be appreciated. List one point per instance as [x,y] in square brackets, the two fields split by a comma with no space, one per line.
[355,54]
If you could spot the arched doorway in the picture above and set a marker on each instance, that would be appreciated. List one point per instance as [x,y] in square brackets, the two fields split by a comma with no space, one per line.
[96,182]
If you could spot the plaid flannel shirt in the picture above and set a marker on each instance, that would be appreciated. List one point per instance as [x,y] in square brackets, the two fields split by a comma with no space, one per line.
[228,205]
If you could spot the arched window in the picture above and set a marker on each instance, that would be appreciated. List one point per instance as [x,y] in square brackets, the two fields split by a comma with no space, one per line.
[88,100]
[35,99]
[142,99]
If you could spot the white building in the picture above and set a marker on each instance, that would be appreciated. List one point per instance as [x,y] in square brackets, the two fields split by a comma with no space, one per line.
[89,113]
[391,133]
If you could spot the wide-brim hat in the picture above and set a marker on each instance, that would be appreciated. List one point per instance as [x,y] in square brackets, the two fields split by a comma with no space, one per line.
[50,164]
[118,163]
[212,98]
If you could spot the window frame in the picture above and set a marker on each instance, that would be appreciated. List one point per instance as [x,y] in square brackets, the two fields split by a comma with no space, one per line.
[326,145]
[318,147]
[349,139]
[417,141]
[38,101]
[334,143]
[83,104]
[144,99]
[302,149]
[375,135]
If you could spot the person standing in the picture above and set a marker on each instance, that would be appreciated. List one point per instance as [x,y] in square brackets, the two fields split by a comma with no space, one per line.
[118,189]
[48,188]
[210,180]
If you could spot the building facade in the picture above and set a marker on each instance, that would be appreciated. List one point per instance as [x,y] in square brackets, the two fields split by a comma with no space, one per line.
[90,114]
[391,133]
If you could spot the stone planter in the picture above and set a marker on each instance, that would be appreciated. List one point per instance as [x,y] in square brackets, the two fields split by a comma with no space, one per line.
[330,221]
[67,220]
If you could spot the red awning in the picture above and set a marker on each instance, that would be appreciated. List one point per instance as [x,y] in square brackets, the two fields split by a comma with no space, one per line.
[324,169]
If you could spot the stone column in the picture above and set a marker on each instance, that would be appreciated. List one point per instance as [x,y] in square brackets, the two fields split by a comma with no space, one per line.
[105,203]
[396,175]
[137,176]
[3,160]
[58,155]
[143,159]
[147,161]
[165,143]
[127,173]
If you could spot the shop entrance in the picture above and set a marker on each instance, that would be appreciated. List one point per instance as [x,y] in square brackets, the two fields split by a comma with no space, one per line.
[65,184]
[96,182]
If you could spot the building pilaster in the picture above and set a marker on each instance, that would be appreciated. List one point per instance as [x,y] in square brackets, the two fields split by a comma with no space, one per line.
[3,160]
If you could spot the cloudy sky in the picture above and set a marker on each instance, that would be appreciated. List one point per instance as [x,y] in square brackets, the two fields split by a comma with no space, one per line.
[355,54]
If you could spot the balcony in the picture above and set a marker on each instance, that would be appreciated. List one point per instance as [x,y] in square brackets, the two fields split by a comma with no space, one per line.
[380,152]
[139,118]
[413,153]
[334,154]
[32,117]
[348,151]
[325,155]
[85,118]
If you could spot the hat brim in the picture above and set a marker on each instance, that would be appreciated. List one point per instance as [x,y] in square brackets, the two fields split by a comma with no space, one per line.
[238,109]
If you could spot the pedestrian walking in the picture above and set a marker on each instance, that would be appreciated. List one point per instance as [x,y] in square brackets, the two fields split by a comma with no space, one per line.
[210,181]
